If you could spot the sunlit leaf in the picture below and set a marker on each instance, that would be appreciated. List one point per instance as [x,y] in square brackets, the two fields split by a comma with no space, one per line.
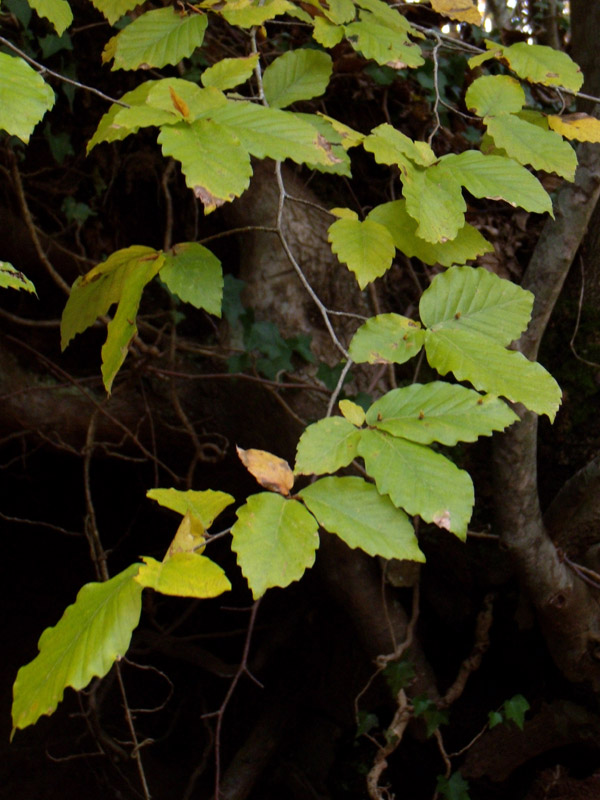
[366,247]
[460,10]
[355,511]
[386,338]
[536,63]
[419,480]
[326,33]
[57,12]
[270,471]
[391,146]
[326,446]
[296,75]
[352,412]
[206,504]
[384,44]
[275,540]
[439,412]
[580,127]
[183,575]
[12,278]
[339,11]
[495,94]
[434,199]
[114,9]
[24,97]
[195,275]
[248,13]
[230,72]
[91,634]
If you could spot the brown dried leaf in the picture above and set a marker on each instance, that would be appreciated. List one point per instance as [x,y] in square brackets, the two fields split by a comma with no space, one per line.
[270,471]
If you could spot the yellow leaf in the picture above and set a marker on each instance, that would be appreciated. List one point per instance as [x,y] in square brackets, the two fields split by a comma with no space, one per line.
[270,471]
[461,10]
[578,126]
[353,412]
[343,213]
[189,537]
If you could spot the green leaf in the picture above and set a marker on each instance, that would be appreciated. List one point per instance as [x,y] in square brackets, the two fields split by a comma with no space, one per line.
[114,9]
[156,38]
[296,75]
[355,511]
[494,718]
[94,293]
[326,33]
[195,275]
[326,446]
[388,16]
[515,710]
[272,133]
[498,178]
[439,412]
[536,63]
[12,278]
[453,788]
[91,634]
[495,94]
[367,248]
[384,44]
[434,199]
[390,146]
[528,144]
[215,164]
[109,130]
[275,540]
[386,338]
[183,575]
[473,299]
[467,244]
[419,480]
[427,709]
[399,675]
[24,97]
[206,505]
[352,412]
[230,72]
[57,12]
[491,368]
[338,11]
[248,14]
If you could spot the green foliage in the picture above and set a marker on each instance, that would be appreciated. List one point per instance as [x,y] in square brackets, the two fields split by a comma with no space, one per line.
[11,278]
[453,788]
[296,75]
[512,710]
[24,97]
[426,708]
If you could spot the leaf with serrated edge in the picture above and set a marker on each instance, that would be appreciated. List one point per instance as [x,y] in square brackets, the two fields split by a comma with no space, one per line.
[57,12]
[527,144]
[270,471]
[466,245]
[386,339]
[352,412]
[114,9]
[230,72]
[355,511]
[326,446]
[384,44]
[474,299]
[460,10]
[206,504]
[580,127]
[183,575]
[493,94]
[257,12]
[108,130]
[439,412]
[491,368]
[391,146]
[275,540]
[91,634]
[367,248]
[12,278]
[24,97]
[215,165]
[195,275]
[540,64]
[296,75]
[418,480]
[156,38]
[434,199]
[326,33]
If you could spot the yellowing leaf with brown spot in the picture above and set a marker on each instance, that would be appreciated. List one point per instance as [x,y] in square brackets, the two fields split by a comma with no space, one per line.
[578,126]
[461,10]
[270,471]
[189,537]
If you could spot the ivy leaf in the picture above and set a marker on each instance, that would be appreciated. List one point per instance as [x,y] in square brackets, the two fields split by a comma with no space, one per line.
[355,511]
[195,275]
[418,480]
[326,446]
[12,278]
[495,94]
[453,788]
[216,166]
[515,709]
[24,97]
[230,72]
[528,144]
[206,505]
[273,133]
[391,146]
[366,247]
[275,540]
[492,368]
[91,634]
[536,63]
[384,44]
[156,38]
[386,339]
[296,75]
[473,299]
[580,127]
[114,9]
[57,12]
[183,575]
[466,245]
[439,412]
[494,718]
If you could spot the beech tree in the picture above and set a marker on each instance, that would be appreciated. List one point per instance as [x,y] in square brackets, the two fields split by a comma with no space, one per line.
[279,274]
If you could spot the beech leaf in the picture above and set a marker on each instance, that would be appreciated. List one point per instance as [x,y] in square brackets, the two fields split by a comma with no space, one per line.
[183,575]
[326,446]
[270,471]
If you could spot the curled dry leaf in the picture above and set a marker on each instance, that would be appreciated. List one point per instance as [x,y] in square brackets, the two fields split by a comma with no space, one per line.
[270,471]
